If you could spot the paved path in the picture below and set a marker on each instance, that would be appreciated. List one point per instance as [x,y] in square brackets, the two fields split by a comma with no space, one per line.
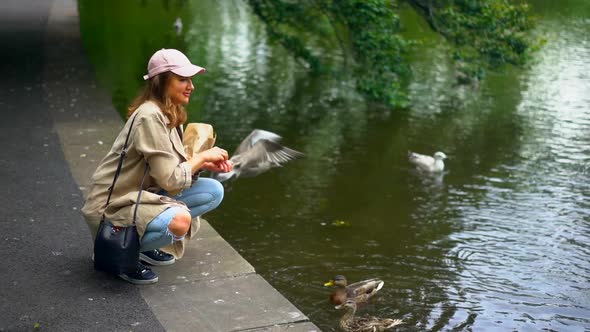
[57,123]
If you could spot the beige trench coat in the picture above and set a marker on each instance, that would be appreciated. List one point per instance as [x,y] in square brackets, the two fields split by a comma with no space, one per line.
[152,141]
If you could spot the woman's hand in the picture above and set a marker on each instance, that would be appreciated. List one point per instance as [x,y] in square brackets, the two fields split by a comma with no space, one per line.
[221,167]
[213,155]
[214,159]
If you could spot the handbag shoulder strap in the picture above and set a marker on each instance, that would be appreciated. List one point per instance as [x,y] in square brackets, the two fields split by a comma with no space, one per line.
[120,164]
[179,130]
[118,171]
[147,167]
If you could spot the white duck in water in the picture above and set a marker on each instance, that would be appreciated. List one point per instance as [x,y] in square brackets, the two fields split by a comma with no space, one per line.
[427,163]
[257,153]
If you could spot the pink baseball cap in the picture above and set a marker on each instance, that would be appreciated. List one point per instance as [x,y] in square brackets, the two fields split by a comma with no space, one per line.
[171,60]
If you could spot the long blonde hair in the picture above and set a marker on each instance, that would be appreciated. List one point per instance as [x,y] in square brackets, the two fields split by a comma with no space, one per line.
[155,90]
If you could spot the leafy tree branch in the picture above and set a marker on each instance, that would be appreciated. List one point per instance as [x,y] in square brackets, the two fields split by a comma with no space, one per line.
[487,34]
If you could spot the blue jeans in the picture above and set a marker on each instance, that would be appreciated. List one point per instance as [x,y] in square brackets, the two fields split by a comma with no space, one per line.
[203,196]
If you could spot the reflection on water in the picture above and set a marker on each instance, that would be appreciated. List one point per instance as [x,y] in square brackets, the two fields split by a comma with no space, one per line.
[499,242]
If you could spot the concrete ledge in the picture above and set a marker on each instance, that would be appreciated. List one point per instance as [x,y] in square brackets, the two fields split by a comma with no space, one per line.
[296,327]
[208,257]
[226,304]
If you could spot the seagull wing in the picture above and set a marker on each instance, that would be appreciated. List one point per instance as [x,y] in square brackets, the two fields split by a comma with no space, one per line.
[255,136]
[264,155]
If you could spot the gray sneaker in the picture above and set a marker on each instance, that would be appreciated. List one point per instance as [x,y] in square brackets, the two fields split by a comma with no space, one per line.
[156,257]
[143,276]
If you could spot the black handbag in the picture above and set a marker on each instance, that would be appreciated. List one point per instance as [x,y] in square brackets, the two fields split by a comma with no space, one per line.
[116,248]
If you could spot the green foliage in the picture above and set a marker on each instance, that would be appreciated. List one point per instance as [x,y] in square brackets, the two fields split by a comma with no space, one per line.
[119,38]
[494,28]
[365,31]
[373,27]
[487,33]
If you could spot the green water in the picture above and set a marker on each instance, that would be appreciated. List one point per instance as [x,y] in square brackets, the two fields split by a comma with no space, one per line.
[500,242]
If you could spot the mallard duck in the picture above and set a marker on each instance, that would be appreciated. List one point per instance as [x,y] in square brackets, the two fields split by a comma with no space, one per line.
[257,153]
[350,323]
[359,291]
[428,164]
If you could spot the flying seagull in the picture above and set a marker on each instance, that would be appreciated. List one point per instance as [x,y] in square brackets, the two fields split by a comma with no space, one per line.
[257,153]
[427,163]
[178,26]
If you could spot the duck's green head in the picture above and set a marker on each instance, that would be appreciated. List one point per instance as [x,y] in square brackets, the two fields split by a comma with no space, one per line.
[338,280]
